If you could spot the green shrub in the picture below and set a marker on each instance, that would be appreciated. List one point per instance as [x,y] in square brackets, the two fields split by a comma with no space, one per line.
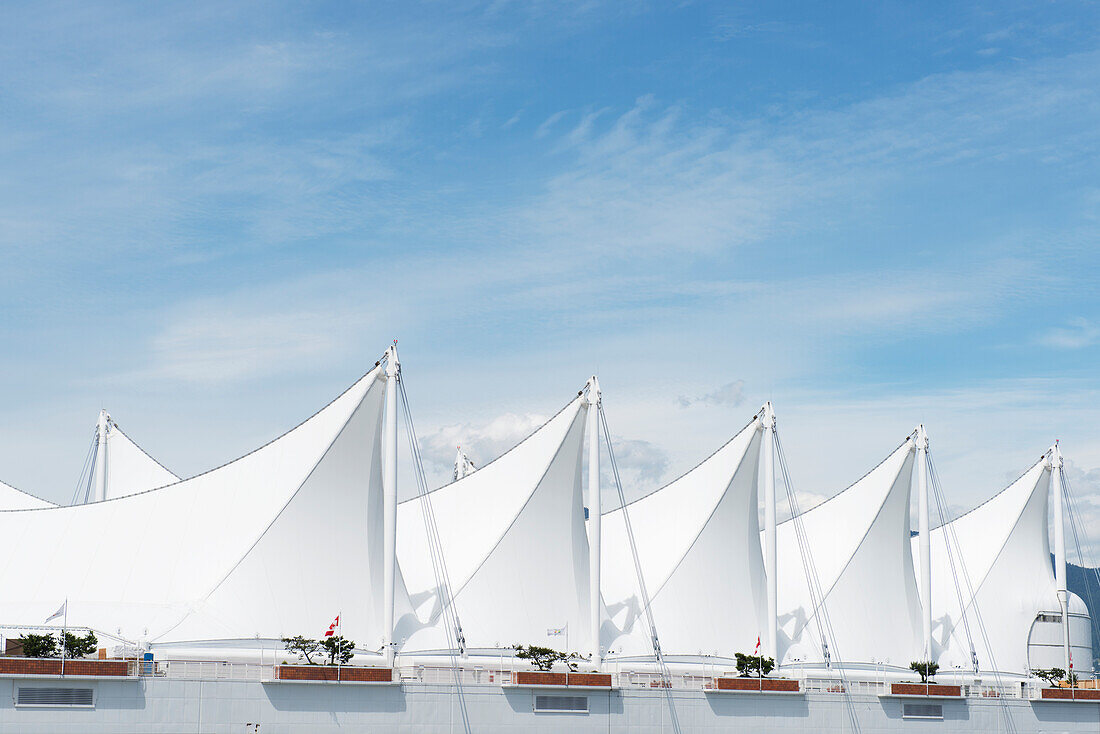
[926,669]
[758,665]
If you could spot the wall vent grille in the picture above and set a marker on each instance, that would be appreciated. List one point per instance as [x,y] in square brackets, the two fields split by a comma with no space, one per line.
[42,696]
[922,710]
[561,704]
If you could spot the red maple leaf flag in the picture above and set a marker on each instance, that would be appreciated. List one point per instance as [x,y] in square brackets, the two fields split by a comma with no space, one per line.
[332,627]
[757,648]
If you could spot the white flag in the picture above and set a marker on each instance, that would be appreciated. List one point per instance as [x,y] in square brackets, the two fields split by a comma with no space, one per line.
[60,611]
[555,631]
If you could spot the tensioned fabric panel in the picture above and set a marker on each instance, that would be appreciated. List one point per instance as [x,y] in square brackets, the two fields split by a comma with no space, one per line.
[136,565]
[14,499]
[473,513]
[534,575]
[859,540]
[1005,547]
[698,547]
[129,469]
[321,556]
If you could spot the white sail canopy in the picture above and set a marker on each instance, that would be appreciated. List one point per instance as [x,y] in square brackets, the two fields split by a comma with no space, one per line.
[514,540]
[697,542]
[241,550]
[14,499]
[129,469]
[859,544]
[1001,553]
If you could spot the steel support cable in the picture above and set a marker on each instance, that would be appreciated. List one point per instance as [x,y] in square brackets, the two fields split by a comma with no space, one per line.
[934,476]
[817,597]
[455,640]
[666,676]
[435,546]
[979,620]
[951,543]
[1087,564]
[86,475]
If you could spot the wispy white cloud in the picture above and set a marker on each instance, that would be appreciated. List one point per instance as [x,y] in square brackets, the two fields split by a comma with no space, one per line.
[207,345]
[1076,334]
[732,393]
[548,124]
[482,442]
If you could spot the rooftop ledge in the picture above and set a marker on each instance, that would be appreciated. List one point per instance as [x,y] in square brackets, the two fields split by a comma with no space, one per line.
[923,690]
[1069,695]
[75,669]
[333,674]
[768,686]
[546,679]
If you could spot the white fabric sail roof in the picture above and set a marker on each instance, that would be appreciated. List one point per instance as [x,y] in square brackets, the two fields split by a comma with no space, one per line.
[15,499]
[129,469]
[248,548]
[514,539]
[859,541]
[1003,547]
[698,547]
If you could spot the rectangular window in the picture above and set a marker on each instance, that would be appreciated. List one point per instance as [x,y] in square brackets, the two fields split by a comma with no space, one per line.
[561,704]
[65,697]
[922,710]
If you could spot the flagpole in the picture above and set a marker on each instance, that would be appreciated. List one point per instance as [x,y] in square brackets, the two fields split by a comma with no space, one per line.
[64,627]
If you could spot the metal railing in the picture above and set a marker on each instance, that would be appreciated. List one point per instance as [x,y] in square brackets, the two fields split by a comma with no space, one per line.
[624,679]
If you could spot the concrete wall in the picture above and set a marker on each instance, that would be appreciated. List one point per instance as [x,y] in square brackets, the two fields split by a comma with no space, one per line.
[214,707]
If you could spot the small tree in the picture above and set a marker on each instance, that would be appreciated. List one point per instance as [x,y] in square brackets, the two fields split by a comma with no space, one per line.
[926,669]
[303,647]
[338,649]
[749,665]
[39,646]
[78,647]
[544,658]
[1050,675]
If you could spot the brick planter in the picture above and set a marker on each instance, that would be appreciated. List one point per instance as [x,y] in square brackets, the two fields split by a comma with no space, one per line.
[540,678]
[925,689]
[334,674]
[547,678]
[588,680]
[1071,694]
[759,685]
[52,666]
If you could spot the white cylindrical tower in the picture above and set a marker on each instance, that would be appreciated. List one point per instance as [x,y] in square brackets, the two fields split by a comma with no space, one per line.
[101,457]
[389,504]
[924,541]
[1060,550]
[767,418]
[595,511]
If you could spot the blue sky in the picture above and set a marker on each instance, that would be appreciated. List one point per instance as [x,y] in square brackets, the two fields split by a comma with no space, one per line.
[213,218]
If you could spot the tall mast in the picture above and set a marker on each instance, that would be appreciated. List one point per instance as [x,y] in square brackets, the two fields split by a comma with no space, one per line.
[101,457]
[767,419]
[389,504]
[1060,550]
[595,510]
[925,541]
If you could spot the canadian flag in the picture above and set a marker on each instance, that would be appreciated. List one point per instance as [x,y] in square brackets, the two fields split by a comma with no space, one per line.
[757,648]
[332,627]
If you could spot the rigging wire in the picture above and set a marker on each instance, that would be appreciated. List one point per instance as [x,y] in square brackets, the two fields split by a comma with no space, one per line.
[666,676]
[85,477]
[817,598]
[1087,565]
[951,542]
[979,620]
[456,641]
